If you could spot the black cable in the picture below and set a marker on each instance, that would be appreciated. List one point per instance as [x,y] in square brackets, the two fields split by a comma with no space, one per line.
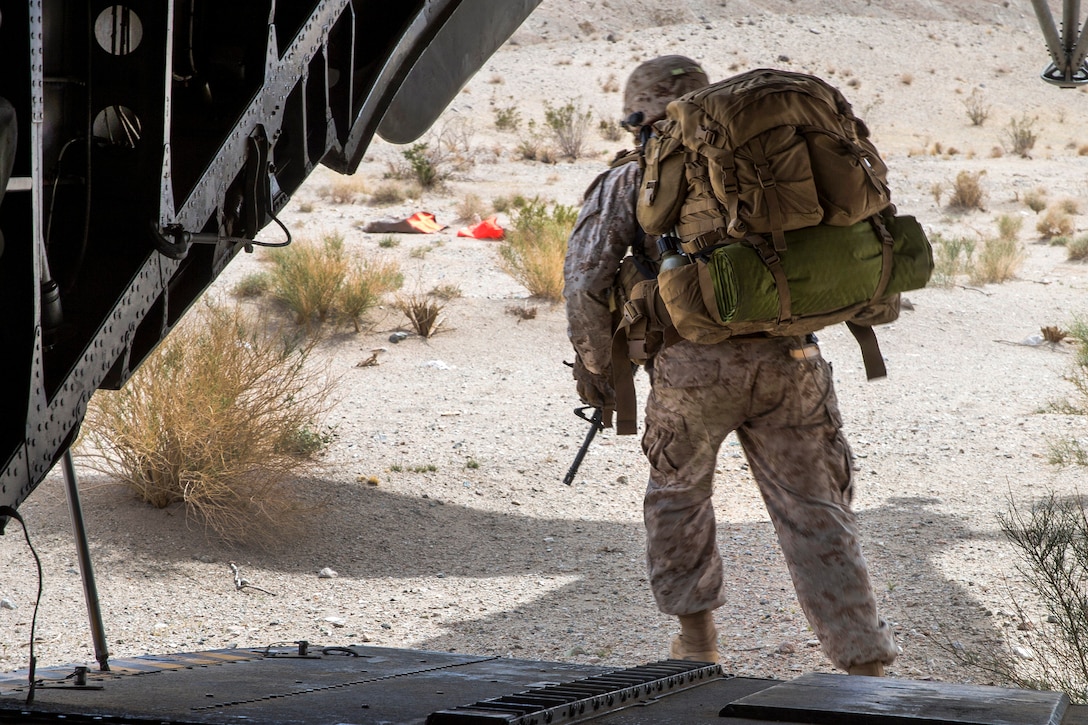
[13,514]
[275,244]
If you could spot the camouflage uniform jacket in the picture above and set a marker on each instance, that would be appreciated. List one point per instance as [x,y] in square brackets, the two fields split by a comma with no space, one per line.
[605,229]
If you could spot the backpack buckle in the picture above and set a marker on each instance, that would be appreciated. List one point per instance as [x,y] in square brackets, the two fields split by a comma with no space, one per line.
[769,182]
[707,135]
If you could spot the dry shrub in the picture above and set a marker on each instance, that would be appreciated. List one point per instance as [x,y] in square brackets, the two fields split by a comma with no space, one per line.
[1020,135]
[522,312]
[952,257]
[507,118]
[977,108]
[534,250]
[319,281]
[364,284]
[1069,205]
[1077,249]
[1053,333]
[936,190]
[470,208]
[1008,227]
[252,285]
[390,193]
[1055,222]
[423,312]
[217,418]
[447,152]
[447,292]
[1035,199]
[570,126]
[998,261]
[967,192]
[1052,560]
[610,130]
[531,145]
[345,190]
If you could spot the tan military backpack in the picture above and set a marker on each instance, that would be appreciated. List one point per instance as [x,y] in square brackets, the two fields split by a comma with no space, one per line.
[765,152]
[771,186]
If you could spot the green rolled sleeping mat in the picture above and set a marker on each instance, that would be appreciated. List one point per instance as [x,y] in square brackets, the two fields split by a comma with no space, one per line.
[827,268]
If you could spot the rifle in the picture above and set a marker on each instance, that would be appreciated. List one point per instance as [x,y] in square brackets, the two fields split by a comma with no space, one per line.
[601,418]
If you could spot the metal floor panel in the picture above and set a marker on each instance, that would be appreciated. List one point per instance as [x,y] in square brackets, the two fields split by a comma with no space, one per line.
[348,685]
[377,685]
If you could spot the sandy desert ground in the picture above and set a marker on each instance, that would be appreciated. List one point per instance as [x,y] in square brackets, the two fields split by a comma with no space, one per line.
[502,558]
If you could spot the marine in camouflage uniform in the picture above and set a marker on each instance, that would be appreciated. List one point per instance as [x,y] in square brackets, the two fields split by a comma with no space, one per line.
[775,393]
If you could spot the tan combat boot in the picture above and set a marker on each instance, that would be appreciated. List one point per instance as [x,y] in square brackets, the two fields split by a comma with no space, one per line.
[698,638]
[869,669]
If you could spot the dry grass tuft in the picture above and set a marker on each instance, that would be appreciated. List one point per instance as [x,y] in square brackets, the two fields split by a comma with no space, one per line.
[217,419]
[470,208]
[1035,199]
[967,191]
[1008,227]
[534,250]
[521,312]
[1077,249]
[423,312]
[998,261]
[446,292]
[319,281]
[1053,334]
[1056,222]
[363,287]
[345,190]
[252,285]
[389,193]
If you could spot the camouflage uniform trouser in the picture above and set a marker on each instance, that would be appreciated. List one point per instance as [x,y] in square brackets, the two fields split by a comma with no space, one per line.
[786,417]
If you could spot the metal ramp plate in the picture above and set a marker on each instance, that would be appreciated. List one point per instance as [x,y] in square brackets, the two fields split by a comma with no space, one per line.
[329,686]
[586,698]
[846,700]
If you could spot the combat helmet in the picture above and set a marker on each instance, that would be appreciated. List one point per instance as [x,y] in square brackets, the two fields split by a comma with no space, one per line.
[653,84]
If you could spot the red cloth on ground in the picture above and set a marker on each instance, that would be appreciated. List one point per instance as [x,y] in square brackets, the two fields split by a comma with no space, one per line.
[487,229]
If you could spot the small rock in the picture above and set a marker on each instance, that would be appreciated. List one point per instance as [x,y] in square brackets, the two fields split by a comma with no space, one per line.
[1023,653]
[386,626]
[786,648]
[336,621]
[327,573]
[1051,619]
[1026,626]
[812,643]
[397,337]
[7,604]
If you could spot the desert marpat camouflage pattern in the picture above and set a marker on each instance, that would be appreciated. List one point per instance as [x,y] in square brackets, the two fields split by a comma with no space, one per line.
[606,227]
[786,417]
